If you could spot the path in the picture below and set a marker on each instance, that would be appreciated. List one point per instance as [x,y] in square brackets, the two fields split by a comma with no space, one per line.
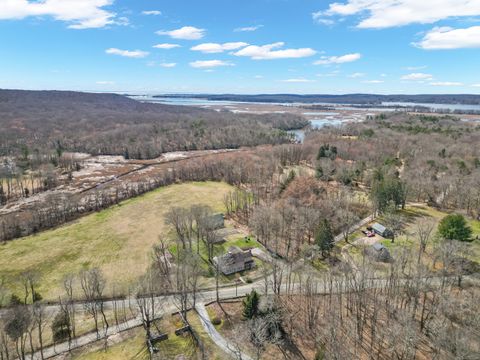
[218,339]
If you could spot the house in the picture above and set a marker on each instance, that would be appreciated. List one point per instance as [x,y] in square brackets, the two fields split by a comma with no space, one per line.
[382,230]
[234,260]
[379,253]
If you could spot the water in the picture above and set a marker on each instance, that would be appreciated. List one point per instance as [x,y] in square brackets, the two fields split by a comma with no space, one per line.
[451,107]
[179,101]
[315,124]
[325,113]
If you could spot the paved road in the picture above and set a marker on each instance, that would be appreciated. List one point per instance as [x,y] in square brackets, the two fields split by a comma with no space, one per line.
[218,339]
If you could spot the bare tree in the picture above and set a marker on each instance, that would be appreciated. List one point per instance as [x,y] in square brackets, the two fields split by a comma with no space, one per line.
[424,231]
[93,284]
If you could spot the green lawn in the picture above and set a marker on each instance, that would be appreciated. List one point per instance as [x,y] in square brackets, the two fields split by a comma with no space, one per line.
[220,249]
[132,348]
[118,240]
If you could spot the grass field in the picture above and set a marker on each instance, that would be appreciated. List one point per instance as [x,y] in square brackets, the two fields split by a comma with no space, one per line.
[118,240]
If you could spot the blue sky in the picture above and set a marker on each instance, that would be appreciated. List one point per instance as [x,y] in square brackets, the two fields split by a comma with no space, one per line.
[248,46]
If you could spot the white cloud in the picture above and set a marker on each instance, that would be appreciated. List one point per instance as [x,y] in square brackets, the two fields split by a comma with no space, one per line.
[390,13]
[327,60]
[443,38]
[261,77]
[248,28]
[83,14]
[373,82]
[166,46]
[299,80]
[206,64]
[414,68]
[211,48]
[323,21]
[267,52]
[168,65]
[476,85]
[185,33]
[356,75]
[151,12]
[417,77]
[446,83]
[104,82]
[127,53]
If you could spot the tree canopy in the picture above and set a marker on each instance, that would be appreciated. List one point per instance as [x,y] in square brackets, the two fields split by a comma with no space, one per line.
[455,227]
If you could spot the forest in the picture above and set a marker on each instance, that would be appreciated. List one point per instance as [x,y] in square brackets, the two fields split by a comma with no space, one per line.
[41,125]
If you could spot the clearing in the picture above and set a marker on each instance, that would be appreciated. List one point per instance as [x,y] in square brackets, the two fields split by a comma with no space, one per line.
[118,240]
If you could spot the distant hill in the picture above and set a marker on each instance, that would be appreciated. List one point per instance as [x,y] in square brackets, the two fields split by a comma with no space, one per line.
[46,121]
[358,99]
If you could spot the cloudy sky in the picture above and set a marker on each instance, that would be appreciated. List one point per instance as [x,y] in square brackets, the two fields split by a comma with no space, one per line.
[247,46]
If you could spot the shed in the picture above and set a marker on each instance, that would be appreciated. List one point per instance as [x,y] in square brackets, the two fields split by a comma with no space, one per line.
[382,230]
[379,253]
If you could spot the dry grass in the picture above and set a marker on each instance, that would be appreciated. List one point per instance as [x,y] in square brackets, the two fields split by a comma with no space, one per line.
[132,345]
[118,240]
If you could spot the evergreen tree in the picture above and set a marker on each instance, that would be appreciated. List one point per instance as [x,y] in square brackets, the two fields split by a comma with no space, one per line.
[250,305]
[61,327]
[454,227]
[324,237]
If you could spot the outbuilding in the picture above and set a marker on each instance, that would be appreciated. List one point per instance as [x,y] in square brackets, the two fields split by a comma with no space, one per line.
[379,252]
[382,230]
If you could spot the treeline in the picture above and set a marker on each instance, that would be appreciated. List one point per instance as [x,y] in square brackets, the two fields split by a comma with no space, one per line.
[370,99]
[236,169]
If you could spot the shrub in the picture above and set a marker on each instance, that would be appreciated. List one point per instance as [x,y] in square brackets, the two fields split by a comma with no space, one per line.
[454,227]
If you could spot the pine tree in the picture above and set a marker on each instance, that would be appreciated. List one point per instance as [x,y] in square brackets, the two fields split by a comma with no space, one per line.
[455,227]
[250,305]
[324,237]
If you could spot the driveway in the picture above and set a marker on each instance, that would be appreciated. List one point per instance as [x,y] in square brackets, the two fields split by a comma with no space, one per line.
[218,339]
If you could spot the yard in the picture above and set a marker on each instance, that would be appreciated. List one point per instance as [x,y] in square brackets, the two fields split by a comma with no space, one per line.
[412,215]
[118,240]
[132,344]
[237,238]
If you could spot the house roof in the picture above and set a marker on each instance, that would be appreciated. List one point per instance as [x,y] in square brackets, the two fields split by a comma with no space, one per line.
[379,227]
[235,255]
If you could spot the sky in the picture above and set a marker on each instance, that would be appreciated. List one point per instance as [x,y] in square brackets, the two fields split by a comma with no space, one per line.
[241,46]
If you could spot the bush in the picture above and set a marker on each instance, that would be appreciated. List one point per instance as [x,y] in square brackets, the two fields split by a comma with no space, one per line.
[454,227]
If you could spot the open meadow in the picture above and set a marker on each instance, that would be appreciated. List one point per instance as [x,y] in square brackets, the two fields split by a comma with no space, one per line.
[117,240]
